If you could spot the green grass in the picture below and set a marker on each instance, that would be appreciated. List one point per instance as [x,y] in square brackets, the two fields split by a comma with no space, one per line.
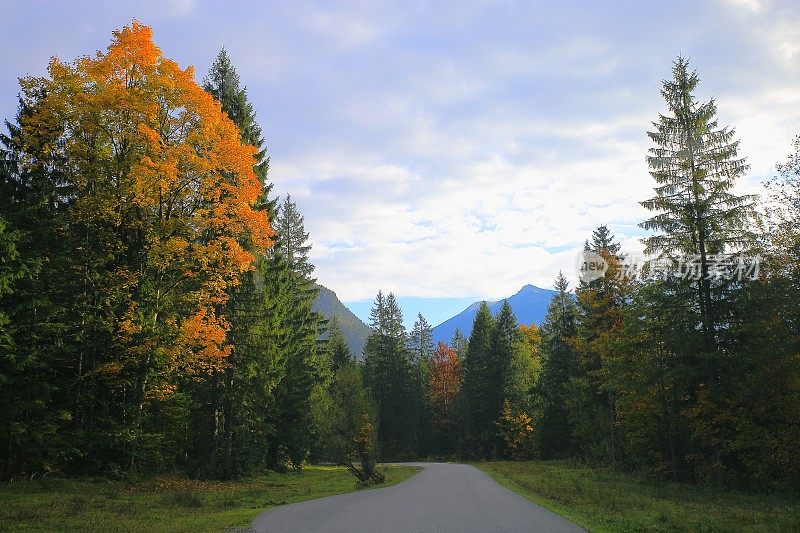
[606,500]
[165,503]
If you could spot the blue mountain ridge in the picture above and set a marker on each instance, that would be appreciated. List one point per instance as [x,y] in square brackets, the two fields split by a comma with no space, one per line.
[529,306]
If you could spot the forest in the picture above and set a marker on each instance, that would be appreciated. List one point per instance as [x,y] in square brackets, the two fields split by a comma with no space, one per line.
[156,307]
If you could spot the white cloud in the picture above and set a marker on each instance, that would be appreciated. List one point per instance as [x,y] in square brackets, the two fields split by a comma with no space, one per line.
[180,7]
[452,149]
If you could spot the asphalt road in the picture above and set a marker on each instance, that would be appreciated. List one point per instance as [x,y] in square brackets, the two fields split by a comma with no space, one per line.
[441,498]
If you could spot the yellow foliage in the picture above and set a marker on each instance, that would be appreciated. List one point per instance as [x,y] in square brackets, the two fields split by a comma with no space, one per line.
[150,153]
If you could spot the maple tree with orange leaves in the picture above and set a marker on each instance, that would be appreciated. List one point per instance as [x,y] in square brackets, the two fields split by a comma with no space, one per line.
[444,382]
[157,178]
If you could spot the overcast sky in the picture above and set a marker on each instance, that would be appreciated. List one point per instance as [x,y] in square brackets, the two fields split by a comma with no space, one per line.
[451,151]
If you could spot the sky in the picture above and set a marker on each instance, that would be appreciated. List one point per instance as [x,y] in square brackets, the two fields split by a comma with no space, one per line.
[456,151]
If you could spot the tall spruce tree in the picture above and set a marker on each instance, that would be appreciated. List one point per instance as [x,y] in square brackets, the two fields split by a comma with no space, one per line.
[31,422]
[337,346]
[603,240]
[231,433]
[504,344]
[696,216]
[559,366]
[478,410]
[600,305]
[458,343]
[695,164]
[391,378]
[420,340]
[305,362]
[292,241]
[420,349]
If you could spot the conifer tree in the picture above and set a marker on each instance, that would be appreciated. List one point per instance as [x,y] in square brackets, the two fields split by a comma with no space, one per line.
[420,340]
[337,346]
[420,349]
[458,342]
[600,306]
[696,216]
[695,164]
[504,343]
[559,366]
[292,242]
[392,380]
[305,364]
[33,337]
[478,411]
[603,240]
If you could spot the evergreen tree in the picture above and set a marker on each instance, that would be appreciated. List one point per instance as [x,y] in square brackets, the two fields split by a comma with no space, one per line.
[392,380]
[559,366]
[459,343]
[600,304]
[505,342]
[478,411]
[32,420]
[229,435]
[343,419]
[292,241]
[695,164]
[10,272]
[337,347]
[603,240]
[305,363]
[420,340]
[650,376]
[420,349]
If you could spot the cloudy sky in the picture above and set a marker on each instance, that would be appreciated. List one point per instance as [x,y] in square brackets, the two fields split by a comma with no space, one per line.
[454,151]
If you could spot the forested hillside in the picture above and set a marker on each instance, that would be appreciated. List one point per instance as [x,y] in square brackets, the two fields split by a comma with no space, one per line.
[160,311]
[354,330]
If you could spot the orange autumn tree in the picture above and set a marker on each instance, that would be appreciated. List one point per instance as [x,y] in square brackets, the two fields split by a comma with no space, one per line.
[159,194]
[444,382]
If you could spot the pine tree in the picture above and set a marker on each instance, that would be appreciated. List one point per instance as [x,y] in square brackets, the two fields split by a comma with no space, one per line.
[559,366]
[420,340]
[459,342]
[10,271]
[292,242]
[602,239]
[478,411]
[32,420]
[225,445]
[337,346]
[504,344]
[601,305]
[695,164]
[392,380]
[305,362]
[420,349]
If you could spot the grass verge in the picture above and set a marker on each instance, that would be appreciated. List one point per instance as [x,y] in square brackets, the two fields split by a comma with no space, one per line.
[606,500]
[166,504]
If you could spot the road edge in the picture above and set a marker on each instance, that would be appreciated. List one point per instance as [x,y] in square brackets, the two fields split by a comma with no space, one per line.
[551,505]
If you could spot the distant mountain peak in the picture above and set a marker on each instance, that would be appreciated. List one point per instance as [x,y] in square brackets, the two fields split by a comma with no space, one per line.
[532,288]
[529,305]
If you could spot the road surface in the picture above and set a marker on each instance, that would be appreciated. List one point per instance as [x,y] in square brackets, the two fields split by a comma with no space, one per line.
[441,498]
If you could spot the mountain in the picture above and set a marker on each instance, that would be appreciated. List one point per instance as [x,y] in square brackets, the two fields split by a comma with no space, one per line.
[355,331]
[529,306]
